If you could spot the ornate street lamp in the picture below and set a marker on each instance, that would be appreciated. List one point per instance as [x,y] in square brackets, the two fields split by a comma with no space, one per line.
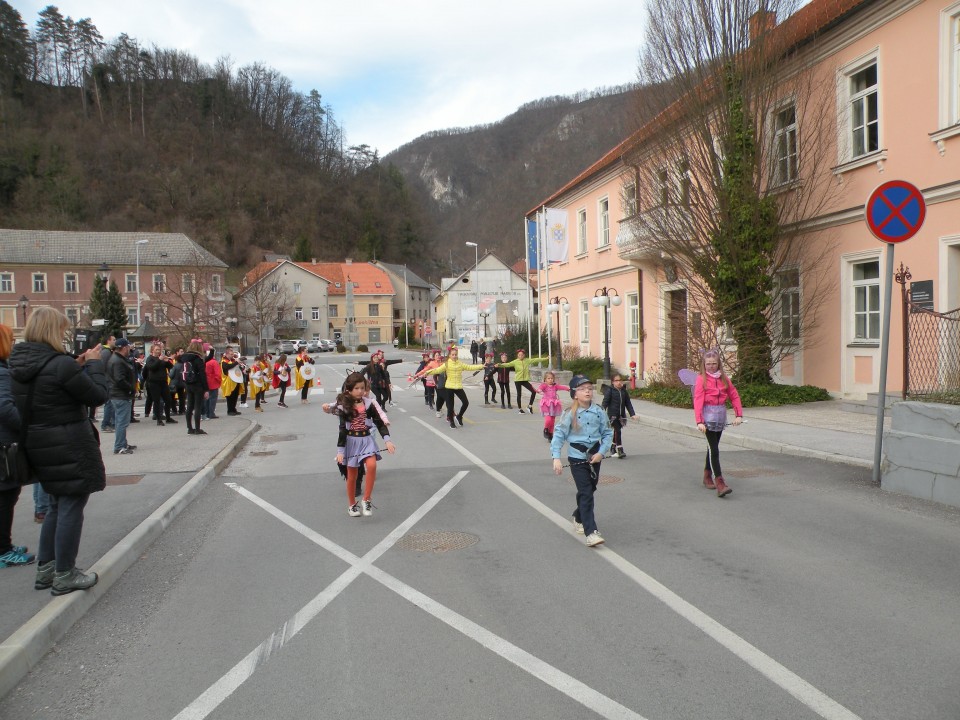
[605,297]
[486,330]
[23,304]
[104,272]
[137,244]
[556,304]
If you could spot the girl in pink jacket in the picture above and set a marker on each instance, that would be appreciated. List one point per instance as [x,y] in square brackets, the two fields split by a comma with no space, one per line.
[550,406]
[710,396]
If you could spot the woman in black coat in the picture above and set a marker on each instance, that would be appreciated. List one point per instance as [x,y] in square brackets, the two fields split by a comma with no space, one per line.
[10,554]
[63,446]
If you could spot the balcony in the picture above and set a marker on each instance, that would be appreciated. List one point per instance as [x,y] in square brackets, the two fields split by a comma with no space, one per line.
[636,237]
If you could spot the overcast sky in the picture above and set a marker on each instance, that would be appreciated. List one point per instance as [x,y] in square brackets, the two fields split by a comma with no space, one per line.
[394,69]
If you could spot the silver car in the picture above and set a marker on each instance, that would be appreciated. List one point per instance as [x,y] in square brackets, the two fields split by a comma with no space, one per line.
[327,345]
[288,347]
[313,346]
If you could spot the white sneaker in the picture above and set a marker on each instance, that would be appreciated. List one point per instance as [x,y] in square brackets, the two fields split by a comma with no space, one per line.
[438,414]
[243,405]
[577,527]
[354,510]
[367,508]
[594,539]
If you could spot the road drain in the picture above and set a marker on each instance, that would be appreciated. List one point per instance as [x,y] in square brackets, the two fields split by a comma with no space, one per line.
[436,541]
[123,479]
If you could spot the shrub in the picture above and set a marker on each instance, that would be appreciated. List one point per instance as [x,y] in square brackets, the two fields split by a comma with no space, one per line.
[590,366]
[751,394]
[362,348]
[341,348]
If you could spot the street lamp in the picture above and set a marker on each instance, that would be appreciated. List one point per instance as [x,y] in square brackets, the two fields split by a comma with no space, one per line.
[476,284]
[485,315]
[605,297]
[137,244]
[554,307]
[103,272]
[451,320]
[23,304]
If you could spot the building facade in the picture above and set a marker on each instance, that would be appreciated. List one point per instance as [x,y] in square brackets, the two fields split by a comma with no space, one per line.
[412,301]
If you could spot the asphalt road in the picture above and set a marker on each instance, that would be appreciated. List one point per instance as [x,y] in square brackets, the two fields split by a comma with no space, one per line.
[807,593]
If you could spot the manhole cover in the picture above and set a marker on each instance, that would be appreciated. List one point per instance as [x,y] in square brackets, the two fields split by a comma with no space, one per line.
[755,472]
[278,438]
[123,479]
[262,453]
[609,480]
[436,541]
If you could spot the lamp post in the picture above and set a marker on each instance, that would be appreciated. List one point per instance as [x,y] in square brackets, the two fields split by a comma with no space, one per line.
[451,320]
[476,272]
[103,272]
[605,297]
[23,304]
[554,307]
[137,245]
[486,330]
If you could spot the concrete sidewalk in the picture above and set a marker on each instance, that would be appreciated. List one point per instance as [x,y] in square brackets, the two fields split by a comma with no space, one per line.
[145,492]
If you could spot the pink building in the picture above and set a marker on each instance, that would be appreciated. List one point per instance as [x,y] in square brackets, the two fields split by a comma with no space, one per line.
[894,114]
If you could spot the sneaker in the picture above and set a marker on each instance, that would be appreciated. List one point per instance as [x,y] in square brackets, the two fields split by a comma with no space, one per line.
[259,409]
[198,431]
[171,420]
[354,510]
[594,539]
[123,451]
[73,579]
[44,578]
[12,557]
[577,527]
[108,429]
[546,434]
[438,413]
[620,453]
[280,404]
[367,508]
[191,431]
[520,410]
[460,420]
[530,409]
[243,405]
[131,447]
[235,412]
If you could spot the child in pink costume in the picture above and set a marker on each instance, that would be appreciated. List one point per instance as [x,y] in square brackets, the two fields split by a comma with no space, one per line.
[550,406]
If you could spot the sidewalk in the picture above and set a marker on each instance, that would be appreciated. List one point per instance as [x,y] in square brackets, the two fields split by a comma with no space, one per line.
[145,492]
[820,430]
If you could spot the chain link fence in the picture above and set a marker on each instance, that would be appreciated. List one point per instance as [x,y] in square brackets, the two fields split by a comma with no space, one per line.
[931,350]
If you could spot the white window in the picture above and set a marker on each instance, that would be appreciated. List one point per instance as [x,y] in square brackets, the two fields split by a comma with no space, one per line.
[73,315]
[565,327]
[159,314]
[584,321]
[788,299]
[683,183]
[333,311]
[280,314]
[274,287]
[39,282]
[186,282]
[581,232]
[133,319]
[630,199]
[314,313]
[187,316]
[131,282]
[633,317]
[296,288]
[298,313]
[215,284]
[950,66]
[866,301]
[373,310]
[864,111]
[663,187]
[159,282]
[70,283]
[6,282]
[785,145]
[604,228]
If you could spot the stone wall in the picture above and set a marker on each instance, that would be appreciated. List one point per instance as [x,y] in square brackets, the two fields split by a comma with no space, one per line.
[922,452]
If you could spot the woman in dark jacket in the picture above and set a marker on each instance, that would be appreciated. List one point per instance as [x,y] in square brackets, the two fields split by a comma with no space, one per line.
[155,370]
[10,554]
[63,446]
[193,375]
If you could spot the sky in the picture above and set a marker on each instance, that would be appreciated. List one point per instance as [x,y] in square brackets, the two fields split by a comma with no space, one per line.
[394,69]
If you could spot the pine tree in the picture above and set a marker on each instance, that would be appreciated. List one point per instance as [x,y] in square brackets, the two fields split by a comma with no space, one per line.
[114,312]
[98,298]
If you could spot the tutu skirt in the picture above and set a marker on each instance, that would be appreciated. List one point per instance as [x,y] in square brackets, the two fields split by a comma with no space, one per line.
[359,449]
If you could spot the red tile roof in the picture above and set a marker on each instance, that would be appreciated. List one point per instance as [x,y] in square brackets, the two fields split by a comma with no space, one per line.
[364,275]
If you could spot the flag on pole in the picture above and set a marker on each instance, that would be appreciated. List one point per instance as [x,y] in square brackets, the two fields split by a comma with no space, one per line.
[531,244]
[557,241]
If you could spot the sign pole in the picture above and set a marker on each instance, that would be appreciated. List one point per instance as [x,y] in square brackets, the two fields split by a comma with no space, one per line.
[884,352]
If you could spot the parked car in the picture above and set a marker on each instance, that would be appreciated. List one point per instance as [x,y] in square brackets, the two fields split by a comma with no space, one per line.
[286,346]
[313,346]
[327,345]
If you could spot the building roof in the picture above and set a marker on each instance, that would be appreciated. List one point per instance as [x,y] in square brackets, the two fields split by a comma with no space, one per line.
[413,279]
[802,27]
[64,247]
[368,279]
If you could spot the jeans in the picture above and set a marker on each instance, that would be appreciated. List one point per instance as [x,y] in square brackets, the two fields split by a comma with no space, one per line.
[60,532]
[108,419]
[41,498]
[121,411]
[210,404]
[585,476]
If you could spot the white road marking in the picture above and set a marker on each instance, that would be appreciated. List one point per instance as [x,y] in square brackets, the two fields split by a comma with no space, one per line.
[210,699]
[820,703]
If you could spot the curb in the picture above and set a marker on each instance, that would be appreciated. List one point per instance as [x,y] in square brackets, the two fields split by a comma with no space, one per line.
[28,645]
[753,443]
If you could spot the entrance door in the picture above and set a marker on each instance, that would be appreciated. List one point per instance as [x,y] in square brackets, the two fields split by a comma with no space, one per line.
[676,331]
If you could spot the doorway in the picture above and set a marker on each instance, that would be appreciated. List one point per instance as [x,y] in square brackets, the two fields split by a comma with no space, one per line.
[676,340]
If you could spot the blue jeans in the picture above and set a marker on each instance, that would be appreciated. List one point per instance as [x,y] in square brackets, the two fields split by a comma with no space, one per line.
[210,404]
[586,476]
[108,419]
[122,410]
[41,498]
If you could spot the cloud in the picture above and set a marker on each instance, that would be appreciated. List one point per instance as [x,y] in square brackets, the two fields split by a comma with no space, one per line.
[394,70]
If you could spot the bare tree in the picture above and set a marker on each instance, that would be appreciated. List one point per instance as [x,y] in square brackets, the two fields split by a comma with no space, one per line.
[263,302]
[730,173]
[193,298]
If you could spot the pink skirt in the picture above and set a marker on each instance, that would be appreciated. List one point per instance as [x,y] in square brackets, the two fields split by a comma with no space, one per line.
[551,407]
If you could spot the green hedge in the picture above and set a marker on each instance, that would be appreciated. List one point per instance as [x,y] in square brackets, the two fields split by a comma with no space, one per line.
[751,395]
[590,366]
[362,348]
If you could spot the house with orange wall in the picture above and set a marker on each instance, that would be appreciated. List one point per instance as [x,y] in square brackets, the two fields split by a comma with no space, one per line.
[896,67]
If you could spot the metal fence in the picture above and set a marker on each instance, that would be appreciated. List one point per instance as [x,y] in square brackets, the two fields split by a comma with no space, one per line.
[931,349]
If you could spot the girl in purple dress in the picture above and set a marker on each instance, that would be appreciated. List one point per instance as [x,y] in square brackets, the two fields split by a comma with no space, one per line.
[550,406]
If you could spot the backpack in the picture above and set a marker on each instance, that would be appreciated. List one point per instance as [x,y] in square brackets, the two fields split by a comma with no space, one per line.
[189,373]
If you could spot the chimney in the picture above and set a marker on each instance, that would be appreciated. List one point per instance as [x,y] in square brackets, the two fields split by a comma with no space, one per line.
[313,261]
[762,22]
[348,261]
